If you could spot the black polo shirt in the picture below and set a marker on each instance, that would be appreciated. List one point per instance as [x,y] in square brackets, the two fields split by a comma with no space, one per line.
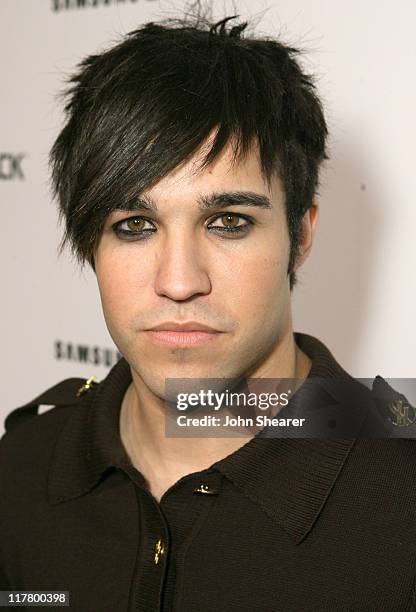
[280,524]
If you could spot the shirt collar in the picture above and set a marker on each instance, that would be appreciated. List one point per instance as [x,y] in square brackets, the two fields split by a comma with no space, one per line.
[289,478]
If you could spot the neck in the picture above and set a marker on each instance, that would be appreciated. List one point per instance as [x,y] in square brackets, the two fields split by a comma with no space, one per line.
[163,460]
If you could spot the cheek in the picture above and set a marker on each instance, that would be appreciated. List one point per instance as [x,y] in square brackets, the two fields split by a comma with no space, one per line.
[121,280]
[257,282]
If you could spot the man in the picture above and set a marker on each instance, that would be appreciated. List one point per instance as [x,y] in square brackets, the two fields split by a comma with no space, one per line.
[186,175]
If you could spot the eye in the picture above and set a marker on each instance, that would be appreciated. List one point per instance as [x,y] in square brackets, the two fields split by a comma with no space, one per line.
[133,226]
[231,223]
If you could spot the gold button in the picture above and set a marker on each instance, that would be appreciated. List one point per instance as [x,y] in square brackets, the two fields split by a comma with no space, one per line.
[159,551]
[86,386]
[204,488]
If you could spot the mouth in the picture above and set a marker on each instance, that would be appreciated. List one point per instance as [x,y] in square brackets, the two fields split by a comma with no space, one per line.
[182,338]
[189,333]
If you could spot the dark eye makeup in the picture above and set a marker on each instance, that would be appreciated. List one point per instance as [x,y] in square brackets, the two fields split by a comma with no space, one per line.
[133,228]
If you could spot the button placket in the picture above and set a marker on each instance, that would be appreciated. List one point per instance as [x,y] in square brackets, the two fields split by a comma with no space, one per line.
[153,584]
[206,495]
[151,563]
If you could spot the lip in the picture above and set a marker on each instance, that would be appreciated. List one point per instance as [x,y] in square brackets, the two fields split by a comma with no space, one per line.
[182,338]
[190,333]
[189,326]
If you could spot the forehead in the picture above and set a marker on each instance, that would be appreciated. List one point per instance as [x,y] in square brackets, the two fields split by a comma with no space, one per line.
[226,173]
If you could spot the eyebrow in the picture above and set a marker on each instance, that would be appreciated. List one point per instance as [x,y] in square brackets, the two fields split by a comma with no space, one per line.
[233,198]
[213,201]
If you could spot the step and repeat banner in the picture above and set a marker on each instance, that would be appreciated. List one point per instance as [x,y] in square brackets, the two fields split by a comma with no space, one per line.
[357,292]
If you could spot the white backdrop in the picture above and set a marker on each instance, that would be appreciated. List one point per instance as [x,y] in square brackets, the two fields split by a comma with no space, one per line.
[357,292]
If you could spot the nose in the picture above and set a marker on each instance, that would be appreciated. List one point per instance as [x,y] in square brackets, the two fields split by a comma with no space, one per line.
[181,268]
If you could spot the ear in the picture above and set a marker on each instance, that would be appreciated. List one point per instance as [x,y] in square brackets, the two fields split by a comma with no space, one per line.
[307,233]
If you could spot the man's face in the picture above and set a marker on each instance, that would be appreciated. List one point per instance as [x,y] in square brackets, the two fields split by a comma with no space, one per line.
[183,267]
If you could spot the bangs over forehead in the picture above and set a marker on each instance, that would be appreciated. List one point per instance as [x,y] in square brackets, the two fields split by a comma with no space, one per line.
[140,109]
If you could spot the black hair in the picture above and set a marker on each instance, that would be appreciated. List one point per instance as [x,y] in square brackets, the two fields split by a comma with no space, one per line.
[139,109]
